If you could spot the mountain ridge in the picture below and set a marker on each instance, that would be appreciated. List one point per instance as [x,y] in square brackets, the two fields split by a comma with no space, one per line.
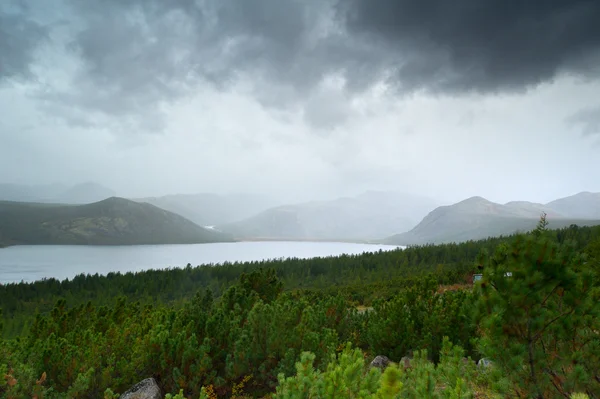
[112,221]
[584,203]
[477,218]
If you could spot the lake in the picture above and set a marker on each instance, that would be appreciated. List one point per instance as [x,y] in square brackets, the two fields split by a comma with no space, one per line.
[35,262]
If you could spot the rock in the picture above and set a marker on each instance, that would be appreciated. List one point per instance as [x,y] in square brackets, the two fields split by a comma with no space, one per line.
[145,389]
[483,362]
[467,361]
[405,362]
[380,361]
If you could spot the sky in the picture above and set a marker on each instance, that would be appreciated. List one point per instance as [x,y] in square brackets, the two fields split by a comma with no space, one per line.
[303,99]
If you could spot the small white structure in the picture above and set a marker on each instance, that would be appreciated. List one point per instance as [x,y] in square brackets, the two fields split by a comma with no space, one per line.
[478,277]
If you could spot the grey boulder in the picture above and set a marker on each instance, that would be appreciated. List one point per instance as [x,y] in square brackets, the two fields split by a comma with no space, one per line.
[380,362]
[145,389]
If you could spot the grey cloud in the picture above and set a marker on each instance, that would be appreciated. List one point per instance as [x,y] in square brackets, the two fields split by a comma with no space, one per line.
[158,48]
[481,46]
[326,110]
[140,54]
[151,51]
[136,57]
[19,38]
[588,120]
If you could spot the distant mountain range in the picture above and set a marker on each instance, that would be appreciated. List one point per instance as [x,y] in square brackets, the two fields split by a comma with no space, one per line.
[212,209]
[371,215]
[83,193]
[583,205]
[113,221]
[477,218]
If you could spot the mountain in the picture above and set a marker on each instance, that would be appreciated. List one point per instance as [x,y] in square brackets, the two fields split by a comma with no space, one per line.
[532,210]
[113,221]
[20,192]
[83,193]
[477,218]
[584,205]
[370,215]
[212,209]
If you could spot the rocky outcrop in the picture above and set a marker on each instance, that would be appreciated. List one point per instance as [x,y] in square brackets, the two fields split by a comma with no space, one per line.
[468,361]
[405,362]
[145,389]
[380,362]
[484,363]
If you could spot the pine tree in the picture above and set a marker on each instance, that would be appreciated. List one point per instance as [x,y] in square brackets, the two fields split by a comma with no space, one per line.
[538,316]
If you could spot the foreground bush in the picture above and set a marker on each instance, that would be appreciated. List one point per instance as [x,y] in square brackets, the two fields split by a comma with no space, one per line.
[347,376]
[540,317]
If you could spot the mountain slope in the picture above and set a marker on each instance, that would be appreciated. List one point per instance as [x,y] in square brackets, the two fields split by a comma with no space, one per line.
[212,209]
[532,210]
[370,215]
[584,205]
[477,218]
[114,221]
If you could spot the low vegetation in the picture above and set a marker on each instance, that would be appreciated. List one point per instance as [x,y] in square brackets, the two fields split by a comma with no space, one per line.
[308,328]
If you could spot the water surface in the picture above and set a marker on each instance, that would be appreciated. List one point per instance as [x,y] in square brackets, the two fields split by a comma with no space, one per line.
[35,262]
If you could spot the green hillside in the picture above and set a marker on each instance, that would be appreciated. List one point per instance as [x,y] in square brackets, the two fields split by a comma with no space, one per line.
[114,221]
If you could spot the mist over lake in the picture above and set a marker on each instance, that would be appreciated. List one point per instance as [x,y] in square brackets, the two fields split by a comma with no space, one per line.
[35,262]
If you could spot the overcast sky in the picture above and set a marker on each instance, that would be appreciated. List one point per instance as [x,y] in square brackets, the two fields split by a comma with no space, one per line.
[303,99]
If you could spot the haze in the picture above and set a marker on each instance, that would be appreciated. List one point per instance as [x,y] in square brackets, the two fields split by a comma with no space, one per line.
[303,100]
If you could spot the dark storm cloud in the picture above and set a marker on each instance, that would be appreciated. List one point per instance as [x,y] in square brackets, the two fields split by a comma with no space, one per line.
[141,54]
[141,44]
[19,38]
[482,46]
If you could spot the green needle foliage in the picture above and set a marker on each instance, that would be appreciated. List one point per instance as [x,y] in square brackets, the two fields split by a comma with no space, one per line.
[344,377]
[539,316]
[347,377]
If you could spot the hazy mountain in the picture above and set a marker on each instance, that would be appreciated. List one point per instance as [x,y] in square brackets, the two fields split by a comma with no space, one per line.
[83,193]
[368,216]
[20,192]
[532,210]
[477,218]
[114,221]
[212,209]
[584,205]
